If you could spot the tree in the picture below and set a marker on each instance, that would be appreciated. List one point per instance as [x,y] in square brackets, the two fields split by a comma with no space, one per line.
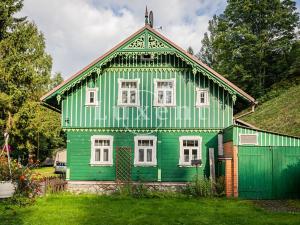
[56,80]
[7,20]
[36,130]
[251,42]
[207,52]
[25,70]
[190,50]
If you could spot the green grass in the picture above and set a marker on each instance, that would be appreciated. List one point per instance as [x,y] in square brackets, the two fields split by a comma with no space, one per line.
[92,209]
[45,171]
[280,114]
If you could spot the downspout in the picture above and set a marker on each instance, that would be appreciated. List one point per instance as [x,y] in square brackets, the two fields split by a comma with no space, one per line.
[249,112]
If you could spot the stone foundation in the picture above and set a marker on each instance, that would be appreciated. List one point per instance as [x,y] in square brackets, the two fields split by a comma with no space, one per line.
[108,187]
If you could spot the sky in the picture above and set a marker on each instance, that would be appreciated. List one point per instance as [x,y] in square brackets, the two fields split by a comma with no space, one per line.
[78,31]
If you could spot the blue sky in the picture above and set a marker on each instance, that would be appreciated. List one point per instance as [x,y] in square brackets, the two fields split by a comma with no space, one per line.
[78,31]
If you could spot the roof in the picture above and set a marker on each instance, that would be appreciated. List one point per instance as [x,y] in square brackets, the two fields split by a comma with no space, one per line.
[261,130]
[147,27]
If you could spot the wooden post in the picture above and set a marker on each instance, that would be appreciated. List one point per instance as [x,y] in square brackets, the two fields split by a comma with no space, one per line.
[212,164]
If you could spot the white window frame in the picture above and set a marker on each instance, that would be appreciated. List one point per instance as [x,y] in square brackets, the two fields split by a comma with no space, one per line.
[110,150]
[136,150]
[181,149]
[120,103]
[256,134]
[156,89]
[87,98]
[206,96]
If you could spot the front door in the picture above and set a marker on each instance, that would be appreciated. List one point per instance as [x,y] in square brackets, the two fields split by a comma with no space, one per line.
[123,164]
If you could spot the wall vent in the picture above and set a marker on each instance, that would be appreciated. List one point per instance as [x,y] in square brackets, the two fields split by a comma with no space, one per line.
[248,139]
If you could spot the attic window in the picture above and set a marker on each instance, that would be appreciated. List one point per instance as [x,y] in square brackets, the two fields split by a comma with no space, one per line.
[128,92]
[91,96]
[146,57]
[202,98]
[248,139]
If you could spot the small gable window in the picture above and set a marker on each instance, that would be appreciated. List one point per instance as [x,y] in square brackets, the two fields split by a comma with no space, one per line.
[92,96]
[164,92]
[190,149]
[145,150]
[101,152]
[202,97]
[128,92]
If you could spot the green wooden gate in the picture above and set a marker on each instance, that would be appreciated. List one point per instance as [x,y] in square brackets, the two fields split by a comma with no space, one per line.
[269,172]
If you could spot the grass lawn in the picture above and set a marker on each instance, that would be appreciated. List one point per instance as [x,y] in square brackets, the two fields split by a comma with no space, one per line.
[45,171]
[91,209]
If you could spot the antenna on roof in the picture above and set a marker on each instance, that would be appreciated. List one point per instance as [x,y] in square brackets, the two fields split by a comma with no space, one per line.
[151,19]
[146,16]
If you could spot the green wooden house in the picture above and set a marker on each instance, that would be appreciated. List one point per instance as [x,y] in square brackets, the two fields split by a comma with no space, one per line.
[146,111]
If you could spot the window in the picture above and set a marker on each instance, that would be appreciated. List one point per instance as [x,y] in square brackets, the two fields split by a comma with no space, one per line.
[164,92]
[202,97]
[128,92]
[190,149]
[145,150]
[147,57]
[248,139]
[101,153]
[91,96]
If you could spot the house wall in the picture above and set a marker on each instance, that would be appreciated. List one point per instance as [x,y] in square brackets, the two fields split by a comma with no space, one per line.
[75,114]
[79,153]
[265,170]
[265,138]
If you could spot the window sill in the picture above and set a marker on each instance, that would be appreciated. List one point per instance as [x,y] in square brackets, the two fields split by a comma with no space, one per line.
[101,164]
[164,105]
[145,165]
[123,105]
[200,106]
[188,166]
[96,104]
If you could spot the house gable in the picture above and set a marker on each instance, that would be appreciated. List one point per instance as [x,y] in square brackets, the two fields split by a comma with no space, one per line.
[144,41]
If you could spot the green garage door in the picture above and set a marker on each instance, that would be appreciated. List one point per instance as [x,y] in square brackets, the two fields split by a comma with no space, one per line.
[269,172]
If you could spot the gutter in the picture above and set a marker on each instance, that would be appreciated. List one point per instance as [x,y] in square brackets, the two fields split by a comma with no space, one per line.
[249,112]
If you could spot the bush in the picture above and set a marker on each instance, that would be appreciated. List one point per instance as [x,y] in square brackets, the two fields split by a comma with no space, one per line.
[199,187]
[220,186]
[26,182]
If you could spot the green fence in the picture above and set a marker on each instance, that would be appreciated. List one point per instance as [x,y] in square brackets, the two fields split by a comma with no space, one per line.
[269,172]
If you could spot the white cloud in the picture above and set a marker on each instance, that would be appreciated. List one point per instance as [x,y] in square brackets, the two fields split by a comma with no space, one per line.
[78,31]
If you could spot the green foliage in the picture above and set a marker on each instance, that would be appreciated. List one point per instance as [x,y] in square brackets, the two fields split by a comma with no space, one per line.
[281,113]
[24,66]
[190,50]
[22,176]
[251,42]
[199,187]
[25,70]
[55,81]
[37,130]
[7,20]
[220,186]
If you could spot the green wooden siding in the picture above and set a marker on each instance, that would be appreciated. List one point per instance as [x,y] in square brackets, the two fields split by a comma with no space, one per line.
[269,172]
[264,138]
[79,153]
[75,114]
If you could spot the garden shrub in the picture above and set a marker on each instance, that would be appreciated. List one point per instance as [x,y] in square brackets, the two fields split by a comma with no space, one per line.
[199,187]
[220,186]
[26,182]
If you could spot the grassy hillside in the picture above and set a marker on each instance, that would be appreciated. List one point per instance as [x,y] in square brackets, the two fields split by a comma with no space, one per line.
[280,114]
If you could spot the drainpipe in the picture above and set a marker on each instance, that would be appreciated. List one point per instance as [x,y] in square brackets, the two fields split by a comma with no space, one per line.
[249,112]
